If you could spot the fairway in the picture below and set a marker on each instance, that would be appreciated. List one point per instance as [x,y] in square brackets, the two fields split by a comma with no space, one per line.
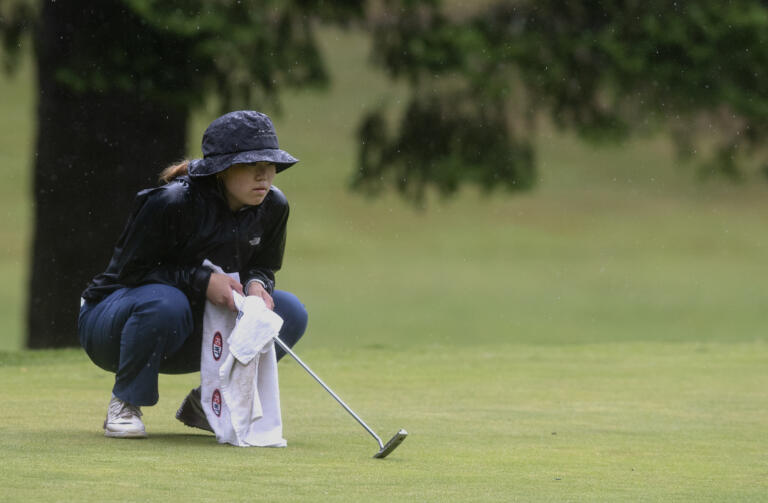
[601,338]
[627,421]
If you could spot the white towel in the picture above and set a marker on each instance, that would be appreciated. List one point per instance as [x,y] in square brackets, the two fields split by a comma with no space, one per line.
[238,373]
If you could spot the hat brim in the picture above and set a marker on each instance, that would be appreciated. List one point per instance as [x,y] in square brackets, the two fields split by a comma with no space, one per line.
[218,163]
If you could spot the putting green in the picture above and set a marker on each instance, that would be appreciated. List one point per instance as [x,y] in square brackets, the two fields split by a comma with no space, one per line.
[627,421]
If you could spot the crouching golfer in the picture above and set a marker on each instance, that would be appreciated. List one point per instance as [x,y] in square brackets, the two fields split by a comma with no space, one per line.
[143,315]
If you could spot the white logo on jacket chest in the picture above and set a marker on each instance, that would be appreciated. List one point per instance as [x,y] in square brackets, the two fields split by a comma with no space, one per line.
[255,241]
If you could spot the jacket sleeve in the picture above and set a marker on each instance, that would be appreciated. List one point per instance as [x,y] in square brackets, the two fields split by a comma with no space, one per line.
[148,249]
[269,259]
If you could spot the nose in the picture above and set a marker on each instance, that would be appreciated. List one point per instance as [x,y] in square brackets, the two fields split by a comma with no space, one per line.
[260,173]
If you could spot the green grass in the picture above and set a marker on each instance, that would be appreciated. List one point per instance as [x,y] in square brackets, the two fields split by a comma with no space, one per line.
[641,421]
[16,148]
[599,338]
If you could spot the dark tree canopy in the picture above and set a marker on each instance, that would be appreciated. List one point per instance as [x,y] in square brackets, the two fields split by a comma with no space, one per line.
[604,69]
[181,51]
[118,78]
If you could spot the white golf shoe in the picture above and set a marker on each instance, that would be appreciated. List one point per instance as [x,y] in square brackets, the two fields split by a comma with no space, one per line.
[123,420]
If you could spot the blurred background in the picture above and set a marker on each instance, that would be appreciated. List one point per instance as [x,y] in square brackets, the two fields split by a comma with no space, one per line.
[500,172]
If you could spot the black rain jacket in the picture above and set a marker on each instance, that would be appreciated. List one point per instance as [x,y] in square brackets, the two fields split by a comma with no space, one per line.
[175,227]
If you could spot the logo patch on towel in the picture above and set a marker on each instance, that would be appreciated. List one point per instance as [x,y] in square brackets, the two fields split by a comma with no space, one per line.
[216,402]
[217,345]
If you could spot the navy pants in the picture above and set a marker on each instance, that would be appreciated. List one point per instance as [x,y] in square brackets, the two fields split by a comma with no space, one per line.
[140,332]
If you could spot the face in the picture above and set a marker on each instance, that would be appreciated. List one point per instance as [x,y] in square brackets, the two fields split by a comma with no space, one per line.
[247,184]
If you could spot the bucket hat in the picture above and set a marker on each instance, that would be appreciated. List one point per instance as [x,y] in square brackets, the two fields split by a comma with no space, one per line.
[245,136]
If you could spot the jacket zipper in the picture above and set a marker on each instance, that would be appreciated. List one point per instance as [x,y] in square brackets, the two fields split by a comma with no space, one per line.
[237,244]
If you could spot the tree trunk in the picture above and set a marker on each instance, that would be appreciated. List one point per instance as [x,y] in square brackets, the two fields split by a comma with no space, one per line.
[94,151]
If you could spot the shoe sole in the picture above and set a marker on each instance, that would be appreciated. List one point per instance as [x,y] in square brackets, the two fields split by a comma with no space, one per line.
[125,434]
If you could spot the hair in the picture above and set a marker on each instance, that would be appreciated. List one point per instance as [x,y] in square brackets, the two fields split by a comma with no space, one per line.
[174,171]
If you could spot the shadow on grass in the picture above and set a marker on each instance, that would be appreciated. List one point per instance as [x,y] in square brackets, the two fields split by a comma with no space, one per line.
[171,438]
[91,436]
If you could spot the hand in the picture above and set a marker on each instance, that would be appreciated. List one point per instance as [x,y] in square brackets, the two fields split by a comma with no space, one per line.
[255,288]
[220,288]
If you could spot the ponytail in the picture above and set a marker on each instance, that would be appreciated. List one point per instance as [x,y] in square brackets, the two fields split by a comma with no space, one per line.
[174,171]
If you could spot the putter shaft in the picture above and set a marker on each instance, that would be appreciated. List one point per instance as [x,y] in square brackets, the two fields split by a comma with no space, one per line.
[330,391]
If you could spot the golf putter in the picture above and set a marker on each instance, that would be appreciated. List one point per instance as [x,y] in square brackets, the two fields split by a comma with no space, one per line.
[384,449]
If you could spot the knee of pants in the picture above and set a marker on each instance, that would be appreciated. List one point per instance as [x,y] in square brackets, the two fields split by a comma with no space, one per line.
[294,314]
[166,309]
[134,321]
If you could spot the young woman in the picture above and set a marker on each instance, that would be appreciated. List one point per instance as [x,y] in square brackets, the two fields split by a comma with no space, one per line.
[143,315]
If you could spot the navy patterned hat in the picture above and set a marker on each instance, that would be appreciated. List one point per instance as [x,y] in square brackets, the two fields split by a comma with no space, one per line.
[240,137]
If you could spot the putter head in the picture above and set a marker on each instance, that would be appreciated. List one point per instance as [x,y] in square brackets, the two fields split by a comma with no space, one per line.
[392,444]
